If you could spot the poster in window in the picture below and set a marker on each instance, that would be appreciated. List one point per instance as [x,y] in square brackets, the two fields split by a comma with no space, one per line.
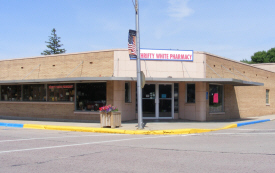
[216,98]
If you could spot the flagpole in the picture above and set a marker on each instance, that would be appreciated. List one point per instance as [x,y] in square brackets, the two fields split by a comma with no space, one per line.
[139,91]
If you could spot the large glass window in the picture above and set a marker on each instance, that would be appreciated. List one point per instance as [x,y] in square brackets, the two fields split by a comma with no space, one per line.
[190,93]
[35,92]
[215,98]
[60,92]
[11,93]
[90,96]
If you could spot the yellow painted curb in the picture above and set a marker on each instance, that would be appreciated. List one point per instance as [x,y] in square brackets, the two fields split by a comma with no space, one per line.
[119,131]
[33,126]
[230,126]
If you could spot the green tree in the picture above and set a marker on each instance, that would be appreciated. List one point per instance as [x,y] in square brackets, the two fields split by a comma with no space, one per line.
[246,61]
[262,57]
[259,57]
[53,45]
[270,55]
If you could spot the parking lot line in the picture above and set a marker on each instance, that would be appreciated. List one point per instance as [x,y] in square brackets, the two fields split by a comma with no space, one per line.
[253,129]
[81,144]
[239,134]
[28,139]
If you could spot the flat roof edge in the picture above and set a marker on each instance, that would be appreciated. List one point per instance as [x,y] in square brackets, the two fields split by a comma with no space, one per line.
[65,54]
[232,60]
[87,79]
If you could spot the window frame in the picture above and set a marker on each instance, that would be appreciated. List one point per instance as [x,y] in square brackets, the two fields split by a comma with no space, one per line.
[267,96]
[61,92]
[86,103]
[32,93]
[10,97]
[222,97]
[186,93]
[129,93]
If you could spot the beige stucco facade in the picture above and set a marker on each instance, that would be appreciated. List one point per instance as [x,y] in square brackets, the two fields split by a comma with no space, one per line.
[124,67]
[115,68]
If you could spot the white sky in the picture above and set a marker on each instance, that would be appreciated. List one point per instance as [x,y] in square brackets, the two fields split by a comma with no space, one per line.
[234,29]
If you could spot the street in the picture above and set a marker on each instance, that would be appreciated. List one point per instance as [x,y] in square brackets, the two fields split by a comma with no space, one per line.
[248,148]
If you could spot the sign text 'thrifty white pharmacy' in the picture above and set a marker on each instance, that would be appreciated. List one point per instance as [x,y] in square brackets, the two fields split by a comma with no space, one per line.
[166,55]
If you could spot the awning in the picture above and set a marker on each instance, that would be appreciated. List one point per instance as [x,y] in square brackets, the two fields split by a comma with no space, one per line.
[225,81]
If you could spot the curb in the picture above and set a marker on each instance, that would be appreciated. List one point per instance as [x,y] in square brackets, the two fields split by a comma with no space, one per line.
[252,122]
[11,125]
[132,132]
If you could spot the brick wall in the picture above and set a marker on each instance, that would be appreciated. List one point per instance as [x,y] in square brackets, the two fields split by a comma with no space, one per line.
[95,64]
[242,101]
[44,110]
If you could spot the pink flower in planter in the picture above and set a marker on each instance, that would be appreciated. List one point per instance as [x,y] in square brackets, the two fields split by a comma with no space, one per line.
[108,109]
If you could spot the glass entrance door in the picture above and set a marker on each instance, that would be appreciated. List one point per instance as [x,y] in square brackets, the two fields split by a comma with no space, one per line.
[148,101]
[165,100]
[158,101]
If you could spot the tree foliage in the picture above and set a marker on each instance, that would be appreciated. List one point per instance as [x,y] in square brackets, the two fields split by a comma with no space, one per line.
[259,57]
[262,57]
[247,61]
[53,45]
[270,55]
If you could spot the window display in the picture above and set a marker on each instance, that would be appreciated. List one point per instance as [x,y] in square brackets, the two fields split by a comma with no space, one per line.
[60,92]
[36,92]
[11,93]
[215,98]
[90,96]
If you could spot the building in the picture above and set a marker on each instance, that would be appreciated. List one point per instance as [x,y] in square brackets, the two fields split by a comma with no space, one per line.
[266,66]
[73,86]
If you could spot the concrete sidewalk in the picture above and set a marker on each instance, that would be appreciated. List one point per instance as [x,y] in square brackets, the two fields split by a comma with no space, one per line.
[130,127]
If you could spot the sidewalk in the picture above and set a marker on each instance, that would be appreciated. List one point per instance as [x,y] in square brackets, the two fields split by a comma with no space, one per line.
[130,127]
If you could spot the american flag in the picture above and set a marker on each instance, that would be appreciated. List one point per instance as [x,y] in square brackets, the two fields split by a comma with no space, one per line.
[131,42]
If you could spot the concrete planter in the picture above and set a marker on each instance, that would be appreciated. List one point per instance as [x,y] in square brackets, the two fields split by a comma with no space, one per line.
[111,119]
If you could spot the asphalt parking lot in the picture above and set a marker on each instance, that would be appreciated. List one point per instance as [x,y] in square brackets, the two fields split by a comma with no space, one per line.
[248,148]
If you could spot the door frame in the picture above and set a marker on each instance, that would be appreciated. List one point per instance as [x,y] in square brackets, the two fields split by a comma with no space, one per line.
[157,101]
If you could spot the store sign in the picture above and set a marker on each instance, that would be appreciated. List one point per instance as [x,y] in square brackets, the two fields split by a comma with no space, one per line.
[166,55]
[61,86]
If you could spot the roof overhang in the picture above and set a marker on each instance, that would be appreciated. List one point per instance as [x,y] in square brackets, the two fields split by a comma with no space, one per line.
[225,81]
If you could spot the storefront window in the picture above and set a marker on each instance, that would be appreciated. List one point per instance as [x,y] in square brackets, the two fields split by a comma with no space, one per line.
[215,98]
[60,92]
[90,96]
[190,93]
[11,93]
[127,92]
[176,97]
[34,92]
[267,97]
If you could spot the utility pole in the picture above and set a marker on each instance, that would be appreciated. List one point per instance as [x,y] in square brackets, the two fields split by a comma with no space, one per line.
[139,91]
